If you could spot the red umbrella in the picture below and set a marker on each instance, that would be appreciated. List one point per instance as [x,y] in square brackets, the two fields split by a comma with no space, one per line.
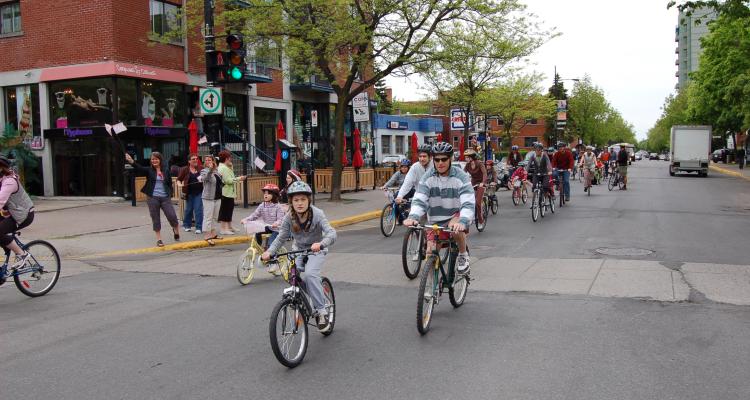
[280,134]
[193,129]
[357,161]
[414,146]
[439,137]
[344,160]
[461,149]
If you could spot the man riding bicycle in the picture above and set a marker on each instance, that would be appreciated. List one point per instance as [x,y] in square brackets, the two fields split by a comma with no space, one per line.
[539,167]
[622,165]
[446,195]
[409,185]
[478,174]
[563,162]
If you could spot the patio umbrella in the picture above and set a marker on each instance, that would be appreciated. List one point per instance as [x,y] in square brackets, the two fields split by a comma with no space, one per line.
[193,129]
[357,161]
[344,160]
[414,146]
[461,149]
[280,134]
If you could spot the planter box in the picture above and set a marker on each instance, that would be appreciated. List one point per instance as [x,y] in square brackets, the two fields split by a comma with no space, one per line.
[324,179]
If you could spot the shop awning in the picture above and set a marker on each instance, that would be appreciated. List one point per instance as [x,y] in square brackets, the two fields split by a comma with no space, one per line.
[110,68]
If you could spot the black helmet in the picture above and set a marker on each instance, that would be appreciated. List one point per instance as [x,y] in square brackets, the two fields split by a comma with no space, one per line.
[561,144]
[5,162]
[424,148]
[442,148]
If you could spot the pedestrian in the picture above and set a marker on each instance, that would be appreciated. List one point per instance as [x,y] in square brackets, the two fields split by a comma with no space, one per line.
[210,198]
[741,143]
[228,192]
[192,190]
[158,189]
[291,176]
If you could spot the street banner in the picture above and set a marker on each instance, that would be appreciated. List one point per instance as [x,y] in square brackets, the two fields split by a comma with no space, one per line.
[314,118]
[361,107]
[458,119]
[562,105]
[562,116]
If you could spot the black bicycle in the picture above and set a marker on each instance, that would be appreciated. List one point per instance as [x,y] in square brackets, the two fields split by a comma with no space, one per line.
[559,184]
[437,279]
[540,199]
[291,315]
[37,273]
[615,180]
[414,251]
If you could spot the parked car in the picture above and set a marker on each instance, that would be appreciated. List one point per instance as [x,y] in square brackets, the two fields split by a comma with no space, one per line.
[392,159]
[662,157]
[653,156]
[638,156]
[718,155]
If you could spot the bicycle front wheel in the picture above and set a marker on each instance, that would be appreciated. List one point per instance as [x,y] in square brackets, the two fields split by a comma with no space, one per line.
[611,183]
[534,207]
[411,257]
[428,293]
[246,266]
[330,305]
[551,204]
[458,290]
[516,196]
[495,205]
[542,204]
[40,272]
[387,221]
[482,225]
[288,332]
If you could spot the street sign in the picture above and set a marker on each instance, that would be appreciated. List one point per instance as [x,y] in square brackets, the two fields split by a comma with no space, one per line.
[361,107]
[561,123]
[562,105]
[314,118]
[210,101]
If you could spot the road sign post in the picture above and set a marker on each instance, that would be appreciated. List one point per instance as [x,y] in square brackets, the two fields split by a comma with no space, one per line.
[210,101]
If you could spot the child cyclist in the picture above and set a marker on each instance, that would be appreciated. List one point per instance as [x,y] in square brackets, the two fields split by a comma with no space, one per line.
[309,228]
[270,212]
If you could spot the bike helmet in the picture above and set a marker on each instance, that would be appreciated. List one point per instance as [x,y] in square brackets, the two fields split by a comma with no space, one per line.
[442,148]
[271,188]
[538,145]
[561,144]
[470,153]
[424,148]
[298,187]
[405,163]
[294,174]
[514,147]
[551,150]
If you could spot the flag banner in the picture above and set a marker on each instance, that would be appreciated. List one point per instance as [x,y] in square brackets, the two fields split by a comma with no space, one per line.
[119,128]
[259,163]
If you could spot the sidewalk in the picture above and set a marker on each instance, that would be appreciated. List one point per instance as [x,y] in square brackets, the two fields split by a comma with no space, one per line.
[79,228]
[731,169]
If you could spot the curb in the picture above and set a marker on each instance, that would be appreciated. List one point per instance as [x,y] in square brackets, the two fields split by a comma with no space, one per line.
[728,172]
[197,244]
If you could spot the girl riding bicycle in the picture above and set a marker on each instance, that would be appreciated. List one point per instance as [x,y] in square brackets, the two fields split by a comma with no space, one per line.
[270,212]
[16,210]
[309,228]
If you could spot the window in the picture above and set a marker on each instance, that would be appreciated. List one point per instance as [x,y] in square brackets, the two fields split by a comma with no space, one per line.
[165,19]
[10,18]
[385,142]
[162,104]
[78,103]
[531,121]
[22,110]
[529,141]
[399,145]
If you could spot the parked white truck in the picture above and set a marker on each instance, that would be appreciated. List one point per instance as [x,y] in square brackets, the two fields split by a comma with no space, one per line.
[690,149]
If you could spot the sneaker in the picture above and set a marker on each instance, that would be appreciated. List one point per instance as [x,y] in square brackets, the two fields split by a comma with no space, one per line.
[20,261]
[322,321]
[462,263]
[188,229]
[226,233]
[415,258]
[198,231]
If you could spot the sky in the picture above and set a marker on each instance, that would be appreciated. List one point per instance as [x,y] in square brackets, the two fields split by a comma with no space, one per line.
[627,47]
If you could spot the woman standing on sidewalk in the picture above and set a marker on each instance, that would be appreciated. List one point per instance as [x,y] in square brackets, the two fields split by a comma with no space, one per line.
[227,192]
[192,189]
[158,188]
[211,197]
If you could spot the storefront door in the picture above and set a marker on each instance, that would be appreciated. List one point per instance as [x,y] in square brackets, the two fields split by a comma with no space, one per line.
[266,121]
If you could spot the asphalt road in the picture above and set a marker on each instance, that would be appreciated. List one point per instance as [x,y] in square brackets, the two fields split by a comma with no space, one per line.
[140,335]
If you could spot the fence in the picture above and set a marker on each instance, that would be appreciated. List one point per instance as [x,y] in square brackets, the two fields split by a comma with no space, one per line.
[324,179]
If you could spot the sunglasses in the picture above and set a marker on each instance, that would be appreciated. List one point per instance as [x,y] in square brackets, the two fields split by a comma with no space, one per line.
[441,159]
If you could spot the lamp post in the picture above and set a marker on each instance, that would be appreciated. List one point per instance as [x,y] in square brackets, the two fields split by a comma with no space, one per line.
[559,95]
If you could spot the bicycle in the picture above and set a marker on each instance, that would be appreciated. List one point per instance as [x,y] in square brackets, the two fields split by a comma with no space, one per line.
[483,208]
[389,215]
[520,193]
[414,251]
[291,315]
[540,200]
[615,180]
[587,185]
[559,184]
[436,279]
[39,272]
[493,202]
[251,257]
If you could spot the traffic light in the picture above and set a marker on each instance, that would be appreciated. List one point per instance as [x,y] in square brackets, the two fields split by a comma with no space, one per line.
[218,67]
[235,58]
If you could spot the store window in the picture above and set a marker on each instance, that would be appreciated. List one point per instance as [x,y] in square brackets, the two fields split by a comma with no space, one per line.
[10,18]
[127,104]
[400,145]
[162,104]
[529,141]
[22,110]
[235,123]
[385,142]
[165,19]
[85,102]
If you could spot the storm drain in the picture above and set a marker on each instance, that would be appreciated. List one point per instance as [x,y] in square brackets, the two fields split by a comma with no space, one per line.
[627,251]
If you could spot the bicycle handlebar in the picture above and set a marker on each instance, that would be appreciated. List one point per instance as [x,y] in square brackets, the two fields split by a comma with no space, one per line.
[434,227]
[289,254]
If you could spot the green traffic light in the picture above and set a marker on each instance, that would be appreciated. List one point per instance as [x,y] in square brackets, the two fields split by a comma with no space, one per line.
[235,73]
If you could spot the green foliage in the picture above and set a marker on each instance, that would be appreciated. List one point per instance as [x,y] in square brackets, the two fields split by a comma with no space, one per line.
[412,107]
[384,106]
[674,112]
[594,119]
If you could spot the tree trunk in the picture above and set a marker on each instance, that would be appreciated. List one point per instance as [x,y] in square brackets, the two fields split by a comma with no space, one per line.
[338,149]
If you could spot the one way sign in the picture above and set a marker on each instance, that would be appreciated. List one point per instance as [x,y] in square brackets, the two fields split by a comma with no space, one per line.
[210,101]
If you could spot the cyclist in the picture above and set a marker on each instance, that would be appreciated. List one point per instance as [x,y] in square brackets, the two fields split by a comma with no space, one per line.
[446,195]
[270,212]
[309,228]
[478,173]
[622,166]
[514,158]
[415,173]
[605,157]
[397,180]
[491,173]
[540,167]
[587,166]
[563,161]
[16,211]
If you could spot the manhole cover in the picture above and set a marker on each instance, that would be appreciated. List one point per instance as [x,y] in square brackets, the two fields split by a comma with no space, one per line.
[627,251]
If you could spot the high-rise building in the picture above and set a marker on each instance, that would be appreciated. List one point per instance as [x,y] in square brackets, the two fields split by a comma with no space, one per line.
[690,29]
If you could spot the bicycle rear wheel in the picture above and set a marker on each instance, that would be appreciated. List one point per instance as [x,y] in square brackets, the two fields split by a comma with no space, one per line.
[387,220]
[411,257]
[524,195]
[288,332]
[551,204]
[246,266]
[612,182]
[428,293]
[484,211]
[516,196]
[330,305]
[542,204]
[458,290]
[40,272]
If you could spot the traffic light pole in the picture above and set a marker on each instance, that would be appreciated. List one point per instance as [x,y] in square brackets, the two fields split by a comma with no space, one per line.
[208,17]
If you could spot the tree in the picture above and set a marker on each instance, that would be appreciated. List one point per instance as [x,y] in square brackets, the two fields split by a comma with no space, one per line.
[674,112]
[345,40]
[384,105]
[471,58]
[515,101]
[588,111]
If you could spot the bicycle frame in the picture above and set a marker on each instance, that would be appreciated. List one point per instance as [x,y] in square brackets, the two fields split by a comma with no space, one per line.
[26,269]
[297,290]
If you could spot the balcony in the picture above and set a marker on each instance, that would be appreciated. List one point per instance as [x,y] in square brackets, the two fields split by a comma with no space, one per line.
[312,83]
[677,74]
[258,72]
[677,62]
[677,50]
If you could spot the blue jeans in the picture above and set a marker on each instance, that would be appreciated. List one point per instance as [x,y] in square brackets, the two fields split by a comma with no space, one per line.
[565,176]
[193,204]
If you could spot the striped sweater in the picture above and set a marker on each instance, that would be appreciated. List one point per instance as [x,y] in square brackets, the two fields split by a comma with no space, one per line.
[443,196]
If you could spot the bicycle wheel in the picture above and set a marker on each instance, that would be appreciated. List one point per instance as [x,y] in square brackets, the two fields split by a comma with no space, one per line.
[330,305]
[481,226]
[458,290]
[534,207]
[494,205]
[562,195]
[428,293]
[542,204]
[288,332]
[246,266]
[41,271]
[411,257]
[524,195]
[516,196]
[387,220]
[620,183]
[612,182]
[551,201]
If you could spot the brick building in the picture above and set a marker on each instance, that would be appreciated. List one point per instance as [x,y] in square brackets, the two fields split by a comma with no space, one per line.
[72,66]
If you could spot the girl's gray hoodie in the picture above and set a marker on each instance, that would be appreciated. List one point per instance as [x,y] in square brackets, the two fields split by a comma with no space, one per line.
[320,231]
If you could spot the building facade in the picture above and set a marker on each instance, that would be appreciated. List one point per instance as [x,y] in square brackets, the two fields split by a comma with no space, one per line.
[688,32]
[393,133]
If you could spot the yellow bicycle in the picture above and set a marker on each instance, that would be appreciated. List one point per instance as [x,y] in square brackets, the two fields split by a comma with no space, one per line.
[251,259]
